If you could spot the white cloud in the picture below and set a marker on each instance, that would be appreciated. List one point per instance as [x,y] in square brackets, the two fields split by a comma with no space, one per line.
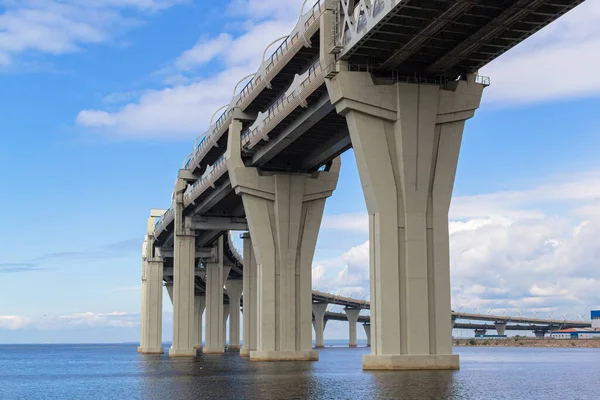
[59,27]
[507,251]
[356,222]
[558,62]
[185,108]
[13,322]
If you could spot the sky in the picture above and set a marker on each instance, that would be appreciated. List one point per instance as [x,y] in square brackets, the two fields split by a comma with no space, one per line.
[101,101]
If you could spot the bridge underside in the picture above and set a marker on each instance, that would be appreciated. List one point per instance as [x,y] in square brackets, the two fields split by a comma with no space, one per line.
[452,37]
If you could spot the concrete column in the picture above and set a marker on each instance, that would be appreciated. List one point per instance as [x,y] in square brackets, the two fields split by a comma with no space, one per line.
[352,315]
[250,297]
[500,327]
[152,291]
[183,281]
[143,321]
[214,303]
[199,305]
[539,333]
[406,139]
[224,333]
[284,213]
[368,333]
[318,310]
[169,287]
[234,291]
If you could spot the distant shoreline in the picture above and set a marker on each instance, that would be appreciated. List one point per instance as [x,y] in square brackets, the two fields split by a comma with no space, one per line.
[527,342]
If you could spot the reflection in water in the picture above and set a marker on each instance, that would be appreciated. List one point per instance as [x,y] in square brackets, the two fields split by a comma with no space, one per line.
[119,372]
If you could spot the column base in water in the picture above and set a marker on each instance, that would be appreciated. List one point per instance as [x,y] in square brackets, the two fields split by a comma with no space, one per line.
[392,362]
[352,345]
[218,350]
[309,355]
[151,350]
[320,346]
[233,348]
[182,352]
[245,352]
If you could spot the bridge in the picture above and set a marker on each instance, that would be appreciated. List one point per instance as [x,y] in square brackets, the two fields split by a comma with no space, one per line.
[395,80]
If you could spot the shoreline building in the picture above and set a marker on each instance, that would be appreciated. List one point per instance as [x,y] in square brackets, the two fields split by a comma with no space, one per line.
[581,333]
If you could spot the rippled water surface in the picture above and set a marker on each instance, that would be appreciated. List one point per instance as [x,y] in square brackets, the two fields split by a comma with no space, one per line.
[119,372]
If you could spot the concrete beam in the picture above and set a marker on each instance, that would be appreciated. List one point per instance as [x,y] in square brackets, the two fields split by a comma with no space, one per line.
[219,224]
[315,112]
[204,252]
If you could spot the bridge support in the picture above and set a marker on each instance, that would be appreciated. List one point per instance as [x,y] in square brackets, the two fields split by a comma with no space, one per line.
[318,310]
[406,138]
[224,333]
[234,291]
[199,305]
[539,333]
[214,303]
[183,281]
[250,297]
[284,213]
[480,332]
[368,333]
[500,328]
[352,315]
[152,300]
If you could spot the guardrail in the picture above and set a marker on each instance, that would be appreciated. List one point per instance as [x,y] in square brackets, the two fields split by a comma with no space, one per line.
[308,24]
[295,96]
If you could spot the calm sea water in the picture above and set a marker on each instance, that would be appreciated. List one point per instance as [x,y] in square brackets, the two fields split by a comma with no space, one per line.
[119,372]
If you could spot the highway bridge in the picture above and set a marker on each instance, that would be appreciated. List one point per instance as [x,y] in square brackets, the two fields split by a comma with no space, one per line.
[395,80]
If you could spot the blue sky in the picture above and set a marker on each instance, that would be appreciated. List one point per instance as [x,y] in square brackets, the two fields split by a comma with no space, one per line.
[100,104]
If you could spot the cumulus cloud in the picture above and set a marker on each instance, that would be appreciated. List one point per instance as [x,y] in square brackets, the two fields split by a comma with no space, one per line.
[58,27]
[507,251]
[13,322]
[556,63]
[185,107]
[83,320]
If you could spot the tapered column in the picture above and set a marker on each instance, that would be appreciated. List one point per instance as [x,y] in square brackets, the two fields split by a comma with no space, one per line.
[199,305]
[367,327]
[406,139]
[352,315]
[250,298]
[319,310]
[214,303]
[234,291]
[169,287]
[500,328]
[183,280]
[284,213]
[224,332]
[152,279]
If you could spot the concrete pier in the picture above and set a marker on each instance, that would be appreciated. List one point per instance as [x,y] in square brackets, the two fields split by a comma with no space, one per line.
[250,297]
[224,332]
[367,328]
[284,213]
[183,281]
[319,323]
[152,296]
[214,304]
[352,315]
[406,138]
[500,327]
[234,291]
[199,305]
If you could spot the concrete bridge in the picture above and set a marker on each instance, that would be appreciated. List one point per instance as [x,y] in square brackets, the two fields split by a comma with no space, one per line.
[394,79]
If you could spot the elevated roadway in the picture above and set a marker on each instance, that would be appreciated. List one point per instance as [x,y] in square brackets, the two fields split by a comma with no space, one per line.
[382,76]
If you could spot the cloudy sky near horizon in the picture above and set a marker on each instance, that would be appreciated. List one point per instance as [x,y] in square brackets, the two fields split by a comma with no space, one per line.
[100,102]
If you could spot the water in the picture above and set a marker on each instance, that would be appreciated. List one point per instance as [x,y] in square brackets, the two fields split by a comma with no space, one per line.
[119,372]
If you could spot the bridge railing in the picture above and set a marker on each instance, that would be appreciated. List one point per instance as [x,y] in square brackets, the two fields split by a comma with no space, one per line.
[162,222]
[207,180]
[295,96]
[306,27]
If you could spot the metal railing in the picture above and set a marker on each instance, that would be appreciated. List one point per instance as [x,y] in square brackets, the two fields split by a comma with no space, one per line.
[208,180]
[283,106]
[271,66]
